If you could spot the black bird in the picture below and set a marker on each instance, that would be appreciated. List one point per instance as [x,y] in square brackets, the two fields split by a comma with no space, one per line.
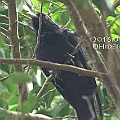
[55,45]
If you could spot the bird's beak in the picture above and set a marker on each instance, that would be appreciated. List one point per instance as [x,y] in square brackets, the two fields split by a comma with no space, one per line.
[32,15]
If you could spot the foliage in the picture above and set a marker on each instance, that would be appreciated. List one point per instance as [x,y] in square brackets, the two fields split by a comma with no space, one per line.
[51,103]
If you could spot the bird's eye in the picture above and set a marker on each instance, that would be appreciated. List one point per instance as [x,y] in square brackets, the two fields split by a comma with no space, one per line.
[45,18]
[48,19]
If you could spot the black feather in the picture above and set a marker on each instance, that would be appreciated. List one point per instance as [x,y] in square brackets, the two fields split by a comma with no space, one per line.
[55,45]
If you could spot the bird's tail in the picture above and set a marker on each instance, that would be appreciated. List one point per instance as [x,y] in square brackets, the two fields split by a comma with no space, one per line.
[99,106]
[86,110]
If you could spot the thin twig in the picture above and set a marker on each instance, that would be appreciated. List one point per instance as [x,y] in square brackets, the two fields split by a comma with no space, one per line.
[4,32]
[4,78]
[66,24]
[61,107]
[20,23]
[47,93]
[38,36]
[39,31]
[114,21]
[40,93]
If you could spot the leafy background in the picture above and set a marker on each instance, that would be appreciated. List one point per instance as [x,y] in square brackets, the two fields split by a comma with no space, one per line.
[51,103]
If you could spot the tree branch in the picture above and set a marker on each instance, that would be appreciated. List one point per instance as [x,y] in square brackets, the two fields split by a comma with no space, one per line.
[14,41]
[10,115]
[116,3]
[56,66]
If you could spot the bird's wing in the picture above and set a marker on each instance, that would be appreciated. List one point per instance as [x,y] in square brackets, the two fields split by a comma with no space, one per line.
[80,57]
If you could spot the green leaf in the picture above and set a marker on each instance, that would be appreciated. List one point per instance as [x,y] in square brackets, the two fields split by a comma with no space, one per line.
[3,103]
[48,98]
[28,105]
[11,88]
[20,4]
[36,3]
[13,107]
[2,43]
[2,53]
[19,78]
[14,100]
[42,78]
